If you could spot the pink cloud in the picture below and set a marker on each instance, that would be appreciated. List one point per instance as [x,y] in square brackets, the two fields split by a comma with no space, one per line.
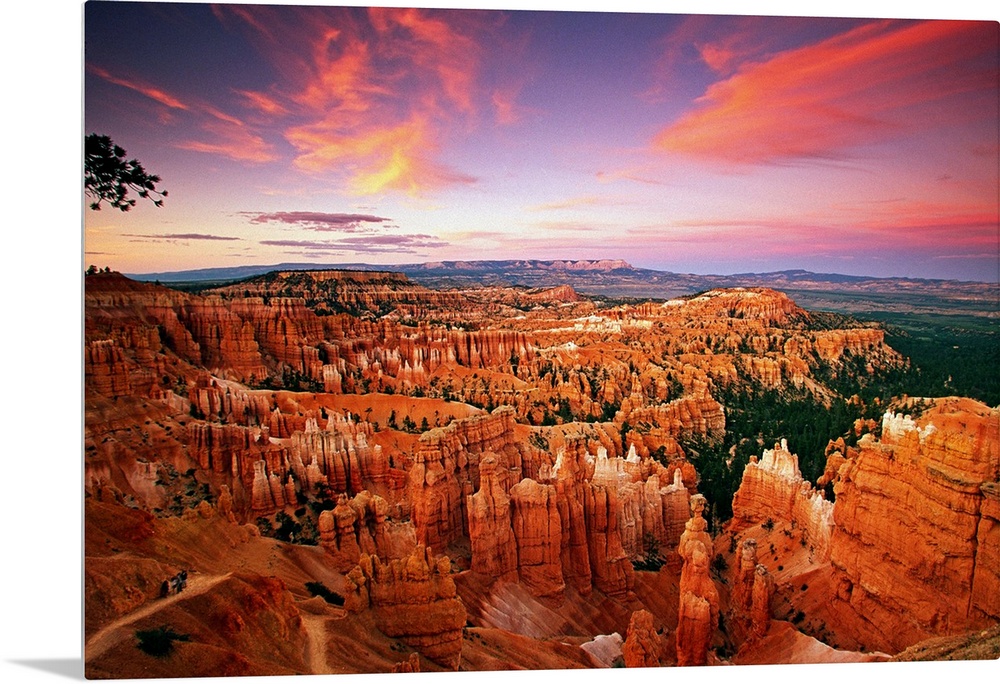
[717,57]
[506,101]
[898,228]
[436,48]
[227,135]
[382,244]
[320,221]
[936,227]
[821,100]
[172,237]
[143,88]
[505,106]
[636,175]
[234,141]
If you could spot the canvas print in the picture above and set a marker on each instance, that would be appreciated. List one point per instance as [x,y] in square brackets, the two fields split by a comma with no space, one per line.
[434,340]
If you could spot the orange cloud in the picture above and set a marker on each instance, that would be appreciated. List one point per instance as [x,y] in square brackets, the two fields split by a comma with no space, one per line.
[371,94]
[222,116]
[820,100]
[572,203]
[263,103]
[388,158]
[343,83]
[382,103]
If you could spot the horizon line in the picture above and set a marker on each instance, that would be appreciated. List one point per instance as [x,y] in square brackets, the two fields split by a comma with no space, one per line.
[354,265]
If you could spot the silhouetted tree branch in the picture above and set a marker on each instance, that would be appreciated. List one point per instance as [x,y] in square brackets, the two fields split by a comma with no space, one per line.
[108,176]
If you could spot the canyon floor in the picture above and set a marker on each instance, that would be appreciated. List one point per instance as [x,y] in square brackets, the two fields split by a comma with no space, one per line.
[362,474]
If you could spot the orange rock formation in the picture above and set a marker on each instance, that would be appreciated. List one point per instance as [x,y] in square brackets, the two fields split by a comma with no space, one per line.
[642,643]
[494,547]
[538,530]
[698,613]
[531,436]
[914,549]
[773,489]
[413,599]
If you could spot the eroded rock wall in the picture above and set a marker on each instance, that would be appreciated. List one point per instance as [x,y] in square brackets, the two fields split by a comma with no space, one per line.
[413,599]
[538,530]
[914,547]
[772,489]
[494,547]
[360,525]
[445,472]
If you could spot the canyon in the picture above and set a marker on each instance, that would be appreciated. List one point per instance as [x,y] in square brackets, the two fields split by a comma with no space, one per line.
[501,477]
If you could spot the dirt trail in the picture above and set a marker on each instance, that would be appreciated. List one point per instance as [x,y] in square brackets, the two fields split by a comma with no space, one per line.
[316,629]
[112,634]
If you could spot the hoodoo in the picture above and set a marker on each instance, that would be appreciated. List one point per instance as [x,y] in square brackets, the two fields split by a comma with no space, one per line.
[698,613]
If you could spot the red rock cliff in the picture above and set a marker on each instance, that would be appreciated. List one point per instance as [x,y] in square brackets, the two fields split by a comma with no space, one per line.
[915,544]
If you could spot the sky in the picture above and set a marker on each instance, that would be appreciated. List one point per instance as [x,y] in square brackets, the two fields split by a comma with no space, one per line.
[685,143]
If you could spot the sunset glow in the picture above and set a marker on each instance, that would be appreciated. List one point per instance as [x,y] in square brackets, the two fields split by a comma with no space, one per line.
[704,144]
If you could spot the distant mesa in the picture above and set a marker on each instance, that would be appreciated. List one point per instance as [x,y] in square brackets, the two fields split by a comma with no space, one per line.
[617,279]
[239,272]
[579,265]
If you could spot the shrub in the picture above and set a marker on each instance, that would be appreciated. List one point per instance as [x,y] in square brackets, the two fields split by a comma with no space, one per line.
[719,563]
[539,442]
[265,526]
[159,642]
[652,559]
[320,589]
[287,529]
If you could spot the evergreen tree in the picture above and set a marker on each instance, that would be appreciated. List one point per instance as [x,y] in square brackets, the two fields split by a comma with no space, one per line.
[109,176]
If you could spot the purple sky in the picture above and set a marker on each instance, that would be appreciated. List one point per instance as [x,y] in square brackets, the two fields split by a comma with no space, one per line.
[707,144]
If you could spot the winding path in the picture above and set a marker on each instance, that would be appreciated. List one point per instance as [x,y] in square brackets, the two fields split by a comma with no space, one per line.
[315,626]
[113,633]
